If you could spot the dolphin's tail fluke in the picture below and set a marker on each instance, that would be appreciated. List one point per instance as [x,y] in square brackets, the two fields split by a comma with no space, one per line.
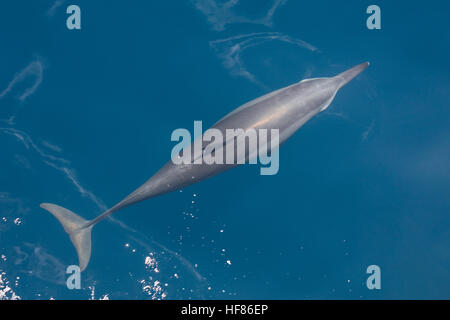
[78,229]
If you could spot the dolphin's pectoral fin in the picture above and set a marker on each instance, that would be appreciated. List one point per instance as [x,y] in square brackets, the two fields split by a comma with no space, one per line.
[78,230]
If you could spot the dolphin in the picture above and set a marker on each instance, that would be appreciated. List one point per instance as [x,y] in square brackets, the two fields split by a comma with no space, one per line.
[286,109]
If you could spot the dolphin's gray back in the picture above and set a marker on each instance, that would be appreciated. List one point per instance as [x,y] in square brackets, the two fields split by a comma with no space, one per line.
[286,109]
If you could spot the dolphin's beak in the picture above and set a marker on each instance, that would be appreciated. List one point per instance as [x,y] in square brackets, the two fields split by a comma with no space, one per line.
[348,75]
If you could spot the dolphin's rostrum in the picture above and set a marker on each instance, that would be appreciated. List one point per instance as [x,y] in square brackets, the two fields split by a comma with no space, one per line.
[286,109]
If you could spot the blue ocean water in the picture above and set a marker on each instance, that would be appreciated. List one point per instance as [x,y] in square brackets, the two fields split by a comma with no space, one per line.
[86,117]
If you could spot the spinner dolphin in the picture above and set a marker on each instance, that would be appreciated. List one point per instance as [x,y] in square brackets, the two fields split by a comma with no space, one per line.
[286,109]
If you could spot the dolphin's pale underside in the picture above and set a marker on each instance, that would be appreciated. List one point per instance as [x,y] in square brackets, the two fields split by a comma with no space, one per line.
[286,109]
